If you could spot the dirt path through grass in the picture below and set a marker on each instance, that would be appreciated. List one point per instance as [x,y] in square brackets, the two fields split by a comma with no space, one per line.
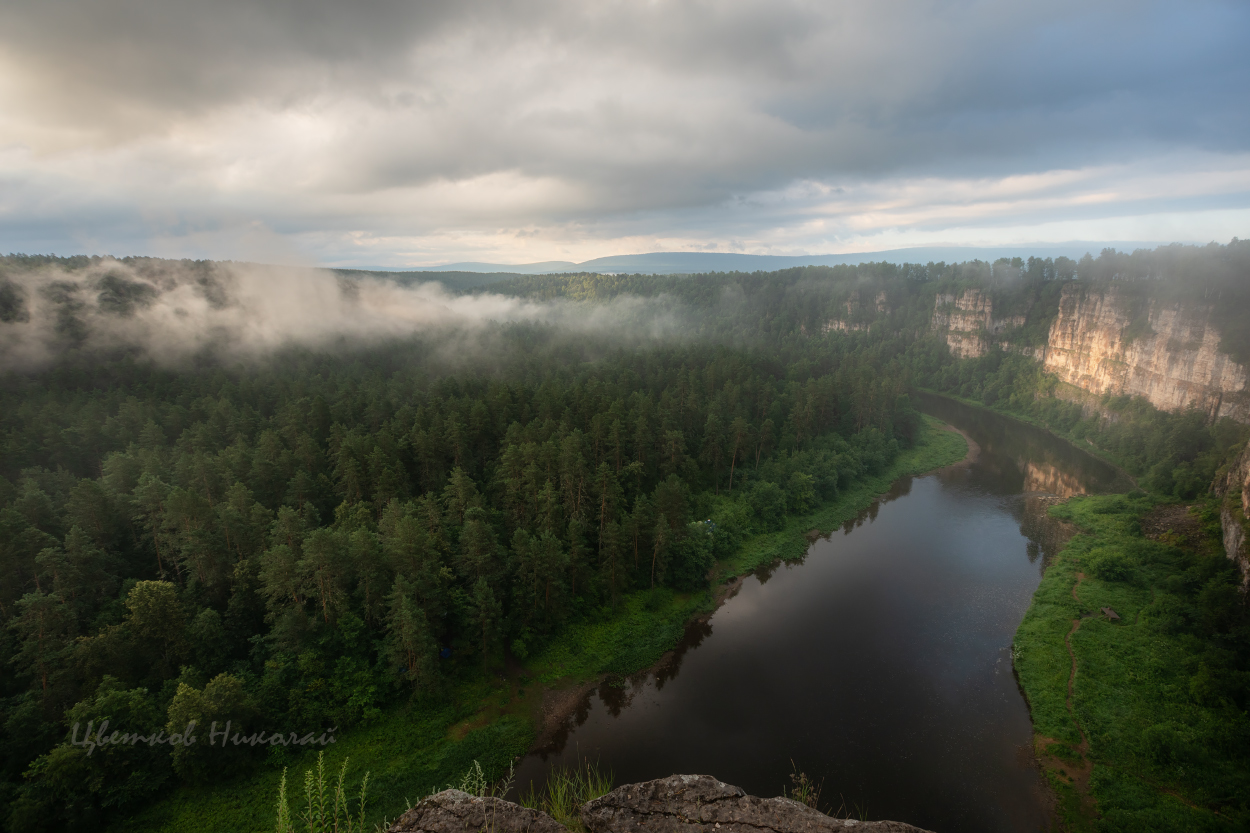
[1080,771]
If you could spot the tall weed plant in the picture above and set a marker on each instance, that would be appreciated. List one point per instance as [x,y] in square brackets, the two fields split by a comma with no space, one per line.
[327,806]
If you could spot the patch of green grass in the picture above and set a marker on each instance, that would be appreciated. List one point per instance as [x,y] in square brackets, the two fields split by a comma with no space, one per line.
[566,790]
[1169,741]
[1063,752]
[1072,814]
[633,639]
[408,753]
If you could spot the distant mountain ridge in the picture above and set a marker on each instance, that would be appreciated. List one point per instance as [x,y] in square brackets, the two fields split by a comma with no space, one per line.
[660,263]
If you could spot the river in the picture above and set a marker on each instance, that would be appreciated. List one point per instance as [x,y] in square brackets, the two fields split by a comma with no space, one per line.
[879,665]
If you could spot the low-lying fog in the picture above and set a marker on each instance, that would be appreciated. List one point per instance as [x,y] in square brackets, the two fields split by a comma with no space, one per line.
[174,310]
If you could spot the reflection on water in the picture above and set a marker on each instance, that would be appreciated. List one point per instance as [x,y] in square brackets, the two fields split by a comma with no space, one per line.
[1020,458]
[1044,477]
[880,662]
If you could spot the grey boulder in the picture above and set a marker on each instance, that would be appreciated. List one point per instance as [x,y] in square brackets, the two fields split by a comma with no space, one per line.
[453,811]
[702,804]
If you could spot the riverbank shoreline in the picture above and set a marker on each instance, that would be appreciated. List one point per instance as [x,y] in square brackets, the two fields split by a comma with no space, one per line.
[560,703]
[1124,732]
[974,450]
[1023,419]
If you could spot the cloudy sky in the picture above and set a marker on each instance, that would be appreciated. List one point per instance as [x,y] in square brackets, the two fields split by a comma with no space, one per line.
[404,133]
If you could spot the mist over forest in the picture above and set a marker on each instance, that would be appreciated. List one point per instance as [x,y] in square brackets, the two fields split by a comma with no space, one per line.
[173,311]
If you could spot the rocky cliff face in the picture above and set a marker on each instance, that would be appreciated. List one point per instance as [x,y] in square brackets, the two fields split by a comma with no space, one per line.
[1175,364]
[967,319]
[1173,360]
[861,312]
[1234,488]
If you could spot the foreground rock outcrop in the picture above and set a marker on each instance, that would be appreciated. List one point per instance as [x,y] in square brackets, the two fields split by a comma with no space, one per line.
[677,804]
[701,804]
[453,811]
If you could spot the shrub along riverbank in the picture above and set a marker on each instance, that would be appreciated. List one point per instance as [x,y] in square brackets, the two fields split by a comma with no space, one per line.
[422,746]
[1140,721]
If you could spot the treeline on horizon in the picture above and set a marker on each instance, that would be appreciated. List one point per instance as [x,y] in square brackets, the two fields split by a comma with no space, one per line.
[731,305]
[1217,276]
[306,539]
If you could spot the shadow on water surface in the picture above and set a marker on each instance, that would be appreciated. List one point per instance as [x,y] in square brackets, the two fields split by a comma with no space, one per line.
[880,661]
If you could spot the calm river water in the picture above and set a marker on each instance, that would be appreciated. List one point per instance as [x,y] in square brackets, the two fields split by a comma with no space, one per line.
[880,663]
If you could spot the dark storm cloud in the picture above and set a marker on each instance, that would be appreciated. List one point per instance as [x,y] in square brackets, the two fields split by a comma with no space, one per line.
[403,118]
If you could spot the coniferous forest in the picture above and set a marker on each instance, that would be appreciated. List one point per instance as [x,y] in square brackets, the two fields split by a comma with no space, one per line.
[311,536]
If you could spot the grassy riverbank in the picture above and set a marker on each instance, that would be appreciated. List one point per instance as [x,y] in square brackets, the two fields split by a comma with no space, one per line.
[1140,722]
[645,630]
[413,749]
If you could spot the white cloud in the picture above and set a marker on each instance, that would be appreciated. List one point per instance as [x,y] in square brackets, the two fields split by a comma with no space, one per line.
[422,133]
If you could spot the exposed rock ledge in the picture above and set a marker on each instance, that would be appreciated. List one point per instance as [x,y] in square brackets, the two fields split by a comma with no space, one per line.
[1233,487]
[453,811]
[677,804]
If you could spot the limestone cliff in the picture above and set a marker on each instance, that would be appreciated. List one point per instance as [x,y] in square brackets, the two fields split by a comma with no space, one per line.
[860,313]
[1102,342]
[1234,487]
[967,320]
[1167,352]
[1174,362]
